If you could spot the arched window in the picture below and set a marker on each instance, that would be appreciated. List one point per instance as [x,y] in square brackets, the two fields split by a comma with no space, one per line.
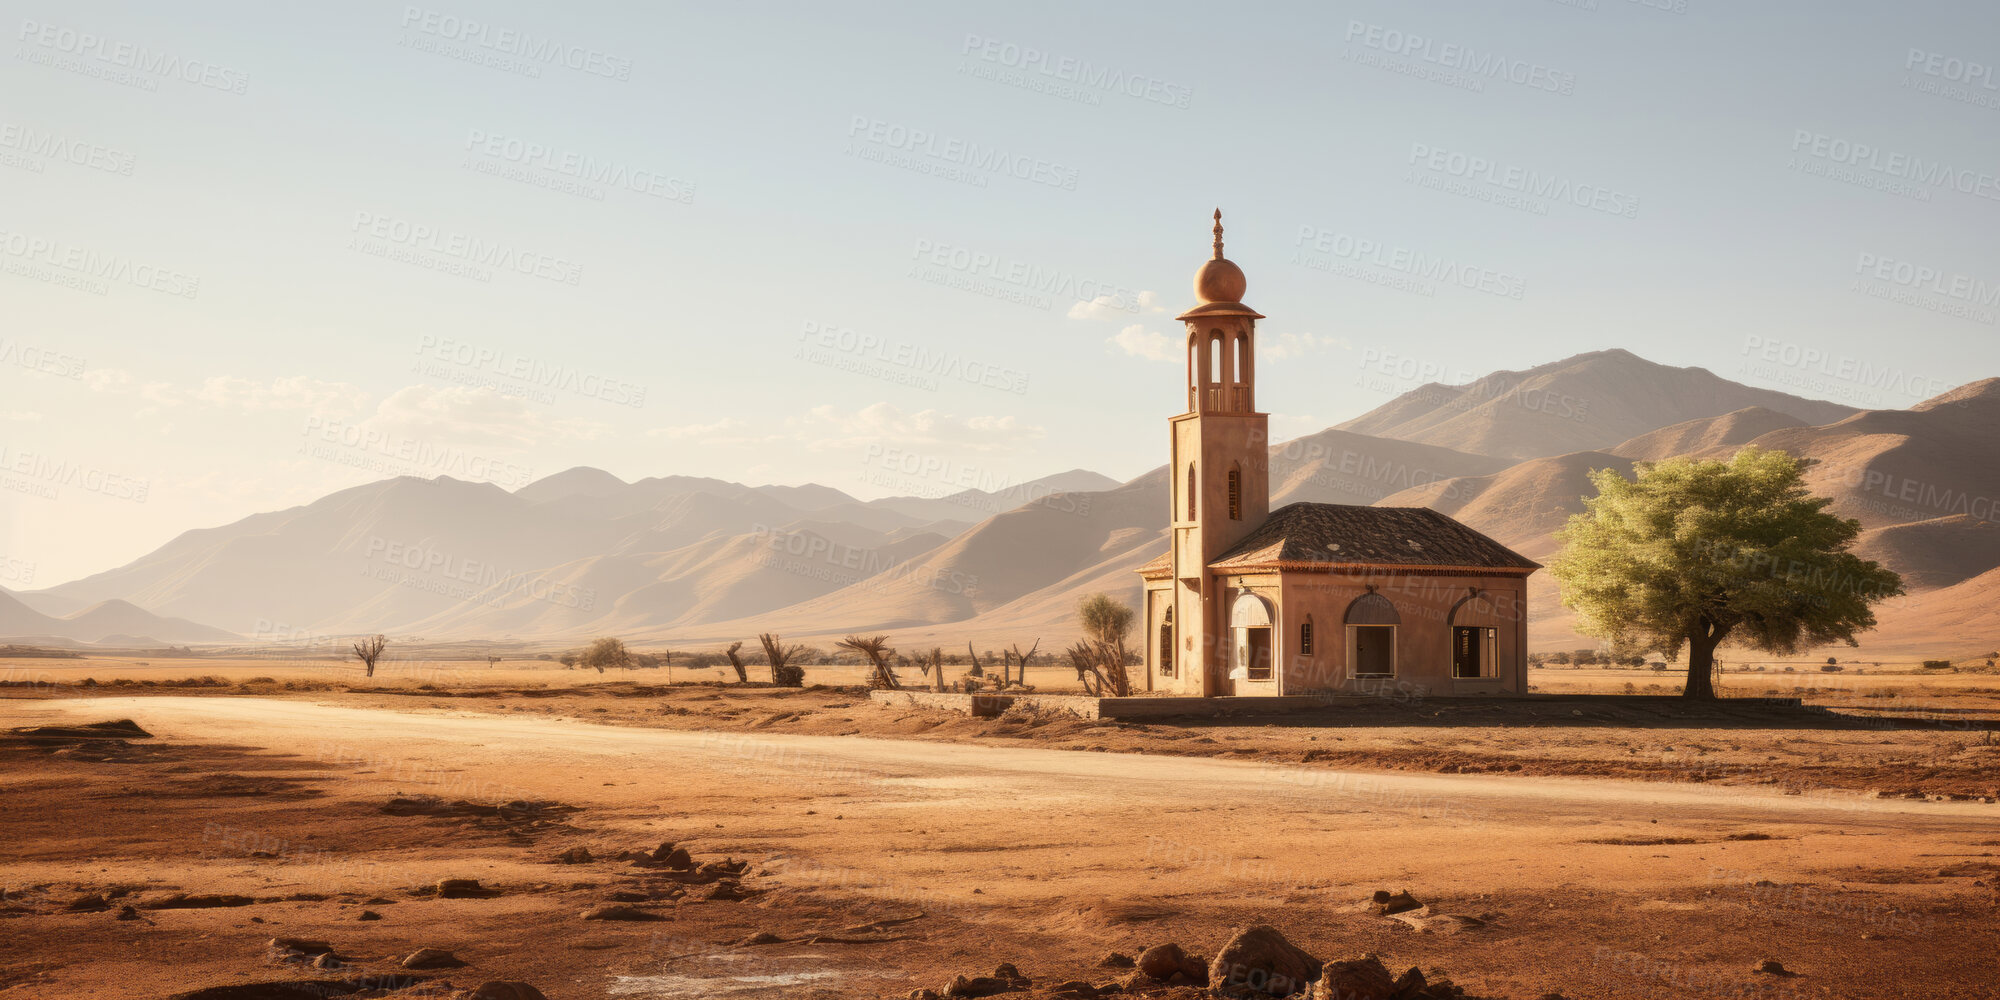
[1235,491]
[1242,359]
[1190,491]
[1167,643]
[1305,636]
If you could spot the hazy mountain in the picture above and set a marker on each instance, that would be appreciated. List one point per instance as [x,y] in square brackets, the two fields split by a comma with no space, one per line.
[113,622]
[1588,402]
[973,505]
[688,559]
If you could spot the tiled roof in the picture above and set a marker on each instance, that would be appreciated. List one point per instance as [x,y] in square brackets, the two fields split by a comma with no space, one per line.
[1333,534]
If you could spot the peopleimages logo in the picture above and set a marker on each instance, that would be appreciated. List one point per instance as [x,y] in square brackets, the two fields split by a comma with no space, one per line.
[892,138]
[81,45]
[529,48]
[1925,278]
[1460,58]
[1536,184]
[1892,164]
[1082,73]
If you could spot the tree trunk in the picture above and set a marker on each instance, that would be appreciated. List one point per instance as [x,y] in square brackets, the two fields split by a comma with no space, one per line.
[371,668]
[1701,663]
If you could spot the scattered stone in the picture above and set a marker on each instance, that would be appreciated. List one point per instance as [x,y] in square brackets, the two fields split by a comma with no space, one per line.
[923,995]
[1355,979]
[977,986]
[728,892]
[619,911]
[460,888]
[578,855]
[183,901]
[369,915]
[1006,972]
[304,946]
[1384,903]
[128,913]
[628,896]
[678,859]
[761,937]
[1441,923]
[432,958]
[1164,961]
[1115,960]
[1411,983]
[507,990]
[328,960]
[1259,961]
[93,903]
[1077,989]
[1773,967]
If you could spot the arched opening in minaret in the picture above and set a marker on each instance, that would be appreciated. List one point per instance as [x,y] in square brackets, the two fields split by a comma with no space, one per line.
[1167,643]
[1242,360]
[1190,491]
[1235,491]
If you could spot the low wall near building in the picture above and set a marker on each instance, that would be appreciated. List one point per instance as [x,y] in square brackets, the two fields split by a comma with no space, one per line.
[986,706]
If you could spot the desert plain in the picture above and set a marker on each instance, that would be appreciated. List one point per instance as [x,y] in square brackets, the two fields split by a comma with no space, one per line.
[526,819]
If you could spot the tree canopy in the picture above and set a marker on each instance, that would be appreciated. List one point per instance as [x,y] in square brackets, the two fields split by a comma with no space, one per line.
[1696,553]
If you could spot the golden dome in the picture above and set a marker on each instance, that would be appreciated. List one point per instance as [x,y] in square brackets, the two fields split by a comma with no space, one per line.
[1219,285]
[1219,280]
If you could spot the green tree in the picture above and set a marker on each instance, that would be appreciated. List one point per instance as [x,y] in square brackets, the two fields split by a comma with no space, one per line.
[1104,619]
[1698,553]
[1100,658]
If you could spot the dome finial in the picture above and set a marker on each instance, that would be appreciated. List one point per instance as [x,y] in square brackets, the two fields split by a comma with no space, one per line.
[1218,234]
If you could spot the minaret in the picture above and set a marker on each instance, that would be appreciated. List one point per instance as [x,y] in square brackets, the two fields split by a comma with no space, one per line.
[1221,470]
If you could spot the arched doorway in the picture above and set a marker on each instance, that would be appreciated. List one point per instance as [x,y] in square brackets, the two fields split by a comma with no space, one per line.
[1250,662]
[1371,636]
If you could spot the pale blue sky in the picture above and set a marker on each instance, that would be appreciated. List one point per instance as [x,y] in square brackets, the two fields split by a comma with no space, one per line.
[761,131]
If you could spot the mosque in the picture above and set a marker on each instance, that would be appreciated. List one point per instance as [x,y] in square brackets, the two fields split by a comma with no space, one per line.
[1311,598]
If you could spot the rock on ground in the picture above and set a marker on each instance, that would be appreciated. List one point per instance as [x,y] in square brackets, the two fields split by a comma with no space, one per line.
[1355,979]
[1163,961]
[431,958]
[619,911]
[1259,961]
[507,990]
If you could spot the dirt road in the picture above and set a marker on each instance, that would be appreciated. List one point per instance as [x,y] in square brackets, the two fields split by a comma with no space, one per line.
[1580,881]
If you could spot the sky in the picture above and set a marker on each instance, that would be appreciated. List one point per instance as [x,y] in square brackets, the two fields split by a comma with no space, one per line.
[254,253]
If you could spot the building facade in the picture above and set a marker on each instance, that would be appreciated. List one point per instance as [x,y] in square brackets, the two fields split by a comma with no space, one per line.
[1311,598]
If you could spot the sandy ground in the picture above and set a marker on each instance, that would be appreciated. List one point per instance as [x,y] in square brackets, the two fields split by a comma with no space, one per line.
[1013,849]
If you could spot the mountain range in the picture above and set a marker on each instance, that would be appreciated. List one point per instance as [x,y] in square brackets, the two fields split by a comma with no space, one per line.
[688,560]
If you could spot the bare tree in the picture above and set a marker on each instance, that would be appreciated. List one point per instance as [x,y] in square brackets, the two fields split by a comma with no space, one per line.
[736,660]
[492,661]
[977,670]
[933,665]
[369,650]
[783,674]
[878,651]
[1015,656]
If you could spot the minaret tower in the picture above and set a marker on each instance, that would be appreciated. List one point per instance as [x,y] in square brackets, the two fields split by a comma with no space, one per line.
[1221,470]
